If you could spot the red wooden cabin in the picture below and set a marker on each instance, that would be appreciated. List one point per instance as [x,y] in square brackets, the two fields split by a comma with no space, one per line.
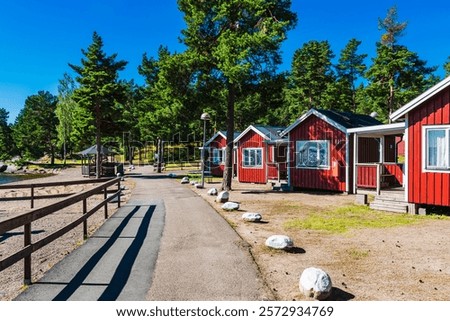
[216,148]
[427,119]
[261,155]
[320,149]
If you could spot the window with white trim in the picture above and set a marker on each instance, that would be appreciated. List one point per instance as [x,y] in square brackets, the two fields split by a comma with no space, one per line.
[218,156]
[437,147]
[313,154]
[252,157]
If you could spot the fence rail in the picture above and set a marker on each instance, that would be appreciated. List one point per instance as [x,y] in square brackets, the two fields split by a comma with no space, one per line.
[26,219]
[33,186]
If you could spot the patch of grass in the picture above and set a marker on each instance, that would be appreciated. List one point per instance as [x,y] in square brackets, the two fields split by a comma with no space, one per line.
[357,254]
[343,219]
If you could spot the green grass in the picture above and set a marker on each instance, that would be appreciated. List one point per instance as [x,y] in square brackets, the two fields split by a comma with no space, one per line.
[344,219]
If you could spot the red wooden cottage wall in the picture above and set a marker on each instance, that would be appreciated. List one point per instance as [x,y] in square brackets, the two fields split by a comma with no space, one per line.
[218,143]
[253,174]
[427,187]
[332,179]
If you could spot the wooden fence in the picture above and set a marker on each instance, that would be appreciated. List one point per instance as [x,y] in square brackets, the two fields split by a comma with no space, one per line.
[26,219]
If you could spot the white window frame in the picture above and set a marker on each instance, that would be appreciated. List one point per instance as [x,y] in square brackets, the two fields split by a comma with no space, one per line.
[254,150]
[218,156]
[300,143]
[425,155]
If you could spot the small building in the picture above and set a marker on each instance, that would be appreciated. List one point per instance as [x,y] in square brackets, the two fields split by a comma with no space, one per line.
[321,148]
[216,147]
[261,155]
[427,149]
[108,167]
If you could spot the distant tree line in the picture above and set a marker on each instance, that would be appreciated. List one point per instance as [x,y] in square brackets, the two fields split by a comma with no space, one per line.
[229,69]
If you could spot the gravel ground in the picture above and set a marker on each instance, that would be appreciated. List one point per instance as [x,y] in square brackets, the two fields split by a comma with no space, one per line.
[42,260]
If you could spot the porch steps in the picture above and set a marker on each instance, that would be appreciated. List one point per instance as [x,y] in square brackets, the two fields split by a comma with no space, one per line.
[389,203]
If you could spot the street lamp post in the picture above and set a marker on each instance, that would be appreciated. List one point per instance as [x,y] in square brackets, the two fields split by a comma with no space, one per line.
[205,117]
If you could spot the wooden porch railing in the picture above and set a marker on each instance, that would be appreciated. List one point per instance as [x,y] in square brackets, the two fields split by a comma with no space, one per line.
[372,175]
[26,219]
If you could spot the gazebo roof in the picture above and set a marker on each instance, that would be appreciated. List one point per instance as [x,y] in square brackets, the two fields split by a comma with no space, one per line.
[93,151]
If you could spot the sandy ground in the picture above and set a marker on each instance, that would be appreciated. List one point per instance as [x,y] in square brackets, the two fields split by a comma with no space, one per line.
[385,264]
[409,263]
[11,279]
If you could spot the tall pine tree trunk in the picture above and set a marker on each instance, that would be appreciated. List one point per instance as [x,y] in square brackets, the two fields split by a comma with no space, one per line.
[228,172]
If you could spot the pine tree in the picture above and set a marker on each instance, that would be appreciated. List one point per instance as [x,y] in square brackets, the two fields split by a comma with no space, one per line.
[99,90]
[350,69]
[234,41]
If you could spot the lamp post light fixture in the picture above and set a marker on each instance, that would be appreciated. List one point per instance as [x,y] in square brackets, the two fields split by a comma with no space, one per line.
[205,117]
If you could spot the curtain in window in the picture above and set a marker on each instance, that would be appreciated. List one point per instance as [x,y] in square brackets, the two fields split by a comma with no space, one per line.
[437,149]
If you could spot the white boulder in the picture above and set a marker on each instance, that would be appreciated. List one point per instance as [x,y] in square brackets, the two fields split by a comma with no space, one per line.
[315,283]
[230,206]
[223,197]
[279,242]
[212,191]
[251,217]
[185,180]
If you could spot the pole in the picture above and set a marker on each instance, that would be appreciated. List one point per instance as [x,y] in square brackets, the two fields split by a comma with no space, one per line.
[203,154]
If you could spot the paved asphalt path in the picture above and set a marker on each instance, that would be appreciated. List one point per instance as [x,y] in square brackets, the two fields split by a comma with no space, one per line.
[165,244]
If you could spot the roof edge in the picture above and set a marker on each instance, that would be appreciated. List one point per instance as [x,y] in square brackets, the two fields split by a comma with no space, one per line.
[419,99]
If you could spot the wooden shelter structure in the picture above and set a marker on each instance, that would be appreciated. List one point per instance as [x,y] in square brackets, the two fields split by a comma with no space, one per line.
[108,165]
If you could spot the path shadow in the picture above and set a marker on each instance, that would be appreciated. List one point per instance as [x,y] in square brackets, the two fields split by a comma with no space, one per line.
[123,270]
[7,235]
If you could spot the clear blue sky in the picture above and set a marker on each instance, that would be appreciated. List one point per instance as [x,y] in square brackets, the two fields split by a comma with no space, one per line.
[39,38]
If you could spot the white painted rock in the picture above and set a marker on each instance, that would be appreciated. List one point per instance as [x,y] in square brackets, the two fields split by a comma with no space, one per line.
[185,180]
[212,191]
[279,242]
[251,217]
[315,283]
[230,206]
[223,197]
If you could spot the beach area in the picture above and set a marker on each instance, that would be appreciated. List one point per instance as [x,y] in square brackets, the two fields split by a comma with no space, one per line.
[14,202]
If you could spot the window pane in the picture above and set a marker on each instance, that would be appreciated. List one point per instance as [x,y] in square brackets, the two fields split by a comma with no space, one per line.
[313,154]
[437,149]
[252,157]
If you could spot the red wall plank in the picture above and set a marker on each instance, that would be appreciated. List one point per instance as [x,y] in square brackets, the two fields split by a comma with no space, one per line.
[431,188]
[314,128]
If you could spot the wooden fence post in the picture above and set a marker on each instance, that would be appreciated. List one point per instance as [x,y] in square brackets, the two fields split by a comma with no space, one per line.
[85,229]
[118,195]
[105,193]
[27,259]
[32,196]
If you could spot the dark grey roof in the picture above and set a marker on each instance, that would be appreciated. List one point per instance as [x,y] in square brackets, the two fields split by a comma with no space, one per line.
[223,133]
[93,151]
[349,119]
[273,132]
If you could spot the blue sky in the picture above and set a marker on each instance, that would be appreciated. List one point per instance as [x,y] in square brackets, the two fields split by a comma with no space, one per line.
[39,38]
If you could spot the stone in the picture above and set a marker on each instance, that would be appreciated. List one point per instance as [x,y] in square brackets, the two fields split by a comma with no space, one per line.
[185,180]
[172,175]
[212,191]
[230,206]
[315,283]
[279,242]
[251,217]
[361,199]
[223,197]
